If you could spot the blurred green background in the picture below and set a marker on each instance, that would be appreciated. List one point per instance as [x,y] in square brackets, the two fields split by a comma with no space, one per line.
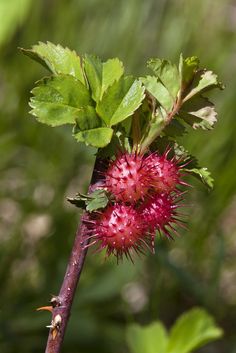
[40,166]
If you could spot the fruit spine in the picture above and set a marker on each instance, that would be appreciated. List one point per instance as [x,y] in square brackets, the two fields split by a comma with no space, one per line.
[145,195]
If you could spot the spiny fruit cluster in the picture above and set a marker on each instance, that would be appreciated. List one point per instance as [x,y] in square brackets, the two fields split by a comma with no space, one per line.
[145,193]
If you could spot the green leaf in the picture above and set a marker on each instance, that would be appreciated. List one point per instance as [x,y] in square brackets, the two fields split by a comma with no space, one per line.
[78,201]
[89,128]
[98,138]
[57,100]
[208,117]
[203,118]
[181,153]
[148,339]
[57,59]
[87,119]
[159,91]
[191,331]
[203,175]
[199,112]
[120,100]
[167,73]
[93,71]
[204,81]
[188,68]
[101,75]
[98,199]
[91,202]
[113,69]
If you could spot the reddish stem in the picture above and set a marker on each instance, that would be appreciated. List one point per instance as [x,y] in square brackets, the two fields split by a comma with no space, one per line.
[63,302]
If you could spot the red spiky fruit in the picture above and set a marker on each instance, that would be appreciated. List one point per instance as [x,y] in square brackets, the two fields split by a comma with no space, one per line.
[119,229]
[165,173]
[159,213]
[127,177]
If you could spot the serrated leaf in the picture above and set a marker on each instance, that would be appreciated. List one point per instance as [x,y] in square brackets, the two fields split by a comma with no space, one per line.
[113,69]
[87,119]
[91,202]
[97,200]
[204,81]
[78,201]
[93,71]
[208,118]
[57,99]
[120,100]
[180,151]
[203,118]
[199,112]
[188,68]
[99,137]
[101,75]
[167,73]
[159,91]
[57,59]
[147,339]
[203,175]
[191,331]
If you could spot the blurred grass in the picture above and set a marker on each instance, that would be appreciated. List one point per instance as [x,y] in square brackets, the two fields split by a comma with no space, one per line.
[40,166]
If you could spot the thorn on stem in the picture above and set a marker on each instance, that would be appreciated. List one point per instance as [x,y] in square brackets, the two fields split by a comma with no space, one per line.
[55,301]
[55,325]
[45,308]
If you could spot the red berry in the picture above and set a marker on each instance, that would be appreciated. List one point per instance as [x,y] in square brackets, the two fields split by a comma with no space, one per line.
[119,229]
[146,199]
[159,213]
[127,178]
[165,173]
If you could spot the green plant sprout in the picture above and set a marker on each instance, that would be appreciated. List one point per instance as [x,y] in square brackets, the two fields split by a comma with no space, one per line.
[138,185]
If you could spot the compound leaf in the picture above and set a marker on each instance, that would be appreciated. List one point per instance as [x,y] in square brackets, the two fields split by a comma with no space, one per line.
[99,137]
[87,119]
[56,59]
[167,74]
[159,91]
[188,68]
[120,100]
[91,202]
[101,75]
[204,81]
[203,175]
[98,199]
[57,99]
[199,112]
[93,71]
[89,128]
[112,71]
